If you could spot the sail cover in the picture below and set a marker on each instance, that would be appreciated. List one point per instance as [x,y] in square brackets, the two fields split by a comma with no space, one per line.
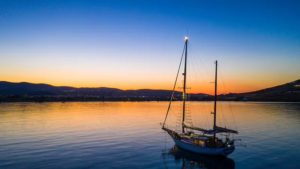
[224,130]
[216,130]
[195,128]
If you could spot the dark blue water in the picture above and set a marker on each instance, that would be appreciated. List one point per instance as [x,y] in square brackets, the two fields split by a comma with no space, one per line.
[128,135]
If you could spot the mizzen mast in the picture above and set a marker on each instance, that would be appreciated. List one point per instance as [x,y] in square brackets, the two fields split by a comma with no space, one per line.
[215,98]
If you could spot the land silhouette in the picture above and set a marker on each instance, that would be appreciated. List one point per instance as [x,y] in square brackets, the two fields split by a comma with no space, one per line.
[30,92]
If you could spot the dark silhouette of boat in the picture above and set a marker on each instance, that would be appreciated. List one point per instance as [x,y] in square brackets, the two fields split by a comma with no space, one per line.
[215,141]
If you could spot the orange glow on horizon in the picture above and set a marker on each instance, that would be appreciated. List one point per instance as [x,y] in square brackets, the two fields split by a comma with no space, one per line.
[229,86]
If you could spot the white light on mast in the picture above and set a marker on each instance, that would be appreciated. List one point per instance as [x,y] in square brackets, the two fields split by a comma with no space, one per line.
[186,38]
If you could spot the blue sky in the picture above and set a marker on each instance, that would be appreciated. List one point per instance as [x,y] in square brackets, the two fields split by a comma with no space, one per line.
[137,44]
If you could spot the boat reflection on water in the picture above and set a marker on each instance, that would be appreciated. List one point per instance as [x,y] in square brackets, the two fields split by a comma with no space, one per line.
[190,160]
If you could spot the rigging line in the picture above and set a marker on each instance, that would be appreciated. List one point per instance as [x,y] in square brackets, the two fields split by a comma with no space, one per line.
[194,75]
[229,103]
[224,119]
[194,65]
[173,91]
[201,75]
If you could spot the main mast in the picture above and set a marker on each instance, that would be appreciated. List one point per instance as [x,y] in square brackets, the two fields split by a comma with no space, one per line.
[184,83]
[216,95]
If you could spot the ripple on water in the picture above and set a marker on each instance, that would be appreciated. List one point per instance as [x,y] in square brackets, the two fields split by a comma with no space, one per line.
[128,135]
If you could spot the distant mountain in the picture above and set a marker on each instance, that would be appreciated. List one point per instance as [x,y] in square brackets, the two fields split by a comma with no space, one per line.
[289,92]
[43,92]
[10,92]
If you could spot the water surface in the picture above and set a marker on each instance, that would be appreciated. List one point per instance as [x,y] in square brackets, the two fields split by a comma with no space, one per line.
[128,135]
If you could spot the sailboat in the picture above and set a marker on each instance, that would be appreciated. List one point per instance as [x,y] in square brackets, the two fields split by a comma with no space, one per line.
[195,139]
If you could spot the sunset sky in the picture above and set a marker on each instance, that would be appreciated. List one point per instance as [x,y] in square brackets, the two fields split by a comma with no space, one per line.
[137,44]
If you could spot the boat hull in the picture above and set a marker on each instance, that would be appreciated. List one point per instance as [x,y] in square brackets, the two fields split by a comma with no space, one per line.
[185,145]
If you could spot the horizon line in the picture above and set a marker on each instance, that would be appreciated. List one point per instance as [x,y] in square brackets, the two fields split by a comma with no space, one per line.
[141,88]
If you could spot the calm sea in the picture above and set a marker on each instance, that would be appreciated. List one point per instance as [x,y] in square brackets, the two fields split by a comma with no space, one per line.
[127,135]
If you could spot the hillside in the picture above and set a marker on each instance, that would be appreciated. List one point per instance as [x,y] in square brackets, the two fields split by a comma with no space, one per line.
[10,92]
[43,92]
[289,92]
